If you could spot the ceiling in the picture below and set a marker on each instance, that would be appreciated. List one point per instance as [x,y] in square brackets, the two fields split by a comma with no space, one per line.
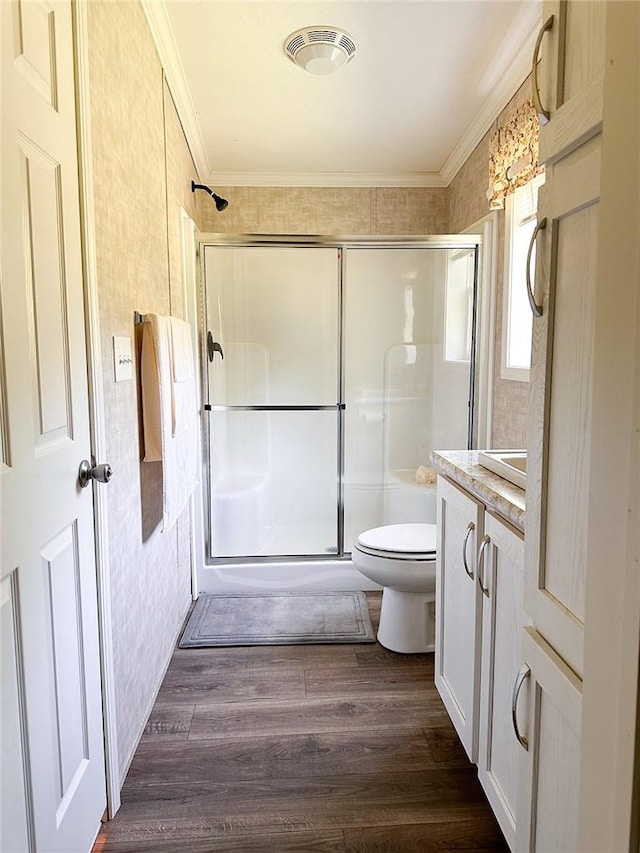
[427,80]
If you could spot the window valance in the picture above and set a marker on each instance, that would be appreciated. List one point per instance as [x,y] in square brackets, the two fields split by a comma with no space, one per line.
[513,155]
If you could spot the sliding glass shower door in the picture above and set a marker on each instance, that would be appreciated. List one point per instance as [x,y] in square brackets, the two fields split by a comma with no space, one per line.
[272,315]
[408,321]
[332,373]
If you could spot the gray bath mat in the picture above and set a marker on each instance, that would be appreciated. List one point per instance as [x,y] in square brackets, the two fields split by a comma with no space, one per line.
[278,619]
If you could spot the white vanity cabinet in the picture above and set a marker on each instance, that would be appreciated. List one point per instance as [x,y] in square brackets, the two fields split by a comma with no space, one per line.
[479,619]
[501,758]
[458,609]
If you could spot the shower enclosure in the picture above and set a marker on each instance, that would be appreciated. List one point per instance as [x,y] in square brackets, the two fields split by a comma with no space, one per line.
[333,369]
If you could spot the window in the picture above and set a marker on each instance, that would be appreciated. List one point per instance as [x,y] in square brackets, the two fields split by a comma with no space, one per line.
[459,305]
[517,322]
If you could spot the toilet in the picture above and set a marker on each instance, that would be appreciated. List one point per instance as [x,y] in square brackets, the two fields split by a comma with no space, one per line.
[402,559]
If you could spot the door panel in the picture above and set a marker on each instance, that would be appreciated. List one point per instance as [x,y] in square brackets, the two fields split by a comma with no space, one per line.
[15,823]
[274,483]
[459,610]
[570,407]
[559,438]
[62,575]
[583,45]
[46,286]
[273,389]
[274,312]
[549,790]
[35,47]
[50,653]
[408,337]
[500,756]
[570,74]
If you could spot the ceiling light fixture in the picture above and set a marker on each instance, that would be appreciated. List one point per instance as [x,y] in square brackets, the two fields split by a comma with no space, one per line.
[320,49]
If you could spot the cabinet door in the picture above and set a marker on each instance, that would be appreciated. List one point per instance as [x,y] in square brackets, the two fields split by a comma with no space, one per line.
[570,75]
[549,719]
[501,760]
[458,610]
[560,403]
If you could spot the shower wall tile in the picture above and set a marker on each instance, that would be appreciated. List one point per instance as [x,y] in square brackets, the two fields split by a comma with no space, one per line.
[468,204]
[355,211]
[138,269]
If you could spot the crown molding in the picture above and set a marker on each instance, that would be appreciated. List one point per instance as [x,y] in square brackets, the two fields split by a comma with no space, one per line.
[158,19]
[324,179]
[507,85]
[504,89]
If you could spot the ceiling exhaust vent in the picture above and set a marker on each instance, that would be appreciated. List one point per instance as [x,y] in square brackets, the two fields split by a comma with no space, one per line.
[320,49]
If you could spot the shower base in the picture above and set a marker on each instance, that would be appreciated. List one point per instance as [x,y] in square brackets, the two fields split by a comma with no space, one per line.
[275,576]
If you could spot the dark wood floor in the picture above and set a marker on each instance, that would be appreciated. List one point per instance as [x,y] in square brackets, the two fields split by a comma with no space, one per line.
[300,749]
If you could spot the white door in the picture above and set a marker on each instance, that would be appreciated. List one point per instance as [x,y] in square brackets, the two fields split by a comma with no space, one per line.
[500,756]
[548,716]
[560,407]
[53,784]
[458,610]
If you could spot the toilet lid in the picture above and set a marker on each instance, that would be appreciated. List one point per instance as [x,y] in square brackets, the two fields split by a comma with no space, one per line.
[400,538]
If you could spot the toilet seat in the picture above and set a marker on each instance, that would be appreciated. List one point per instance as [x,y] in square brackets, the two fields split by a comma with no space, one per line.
[400,541]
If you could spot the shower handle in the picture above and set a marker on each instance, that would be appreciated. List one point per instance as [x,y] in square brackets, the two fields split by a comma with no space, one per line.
[213,347]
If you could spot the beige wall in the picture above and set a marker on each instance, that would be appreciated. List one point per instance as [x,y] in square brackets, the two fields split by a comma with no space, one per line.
[467,204]
[142,173]
[354,211]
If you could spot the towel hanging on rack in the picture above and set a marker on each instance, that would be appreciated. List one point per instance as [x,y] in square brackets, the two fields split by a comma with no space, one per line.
[169,407]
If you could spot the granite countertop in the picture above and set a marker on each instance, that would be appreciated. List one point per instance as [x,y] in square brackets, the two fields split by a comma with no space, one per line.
[497,494]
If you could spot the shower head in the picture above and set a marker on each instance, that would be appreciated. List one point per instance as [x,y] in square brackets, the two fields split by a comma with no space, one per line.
[221,203]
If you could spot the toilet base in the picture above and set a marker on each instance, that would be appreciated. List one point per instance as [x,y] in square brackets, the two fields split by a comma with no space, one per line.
[406,621]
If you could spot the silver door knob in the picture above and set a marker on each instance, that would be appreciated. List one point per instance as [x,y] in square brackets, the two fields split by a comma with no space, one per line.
[99,473]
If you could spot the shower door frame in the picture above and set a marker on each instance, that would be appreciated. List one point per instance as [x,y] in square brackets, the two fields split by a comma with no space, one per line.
[473,242]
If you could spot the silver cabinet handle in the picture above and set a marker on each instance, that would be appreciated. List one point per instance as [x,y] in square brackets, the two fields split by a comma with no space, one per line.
[470,528]
[523,673]
[486,539]
[535,308]
[543,115]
